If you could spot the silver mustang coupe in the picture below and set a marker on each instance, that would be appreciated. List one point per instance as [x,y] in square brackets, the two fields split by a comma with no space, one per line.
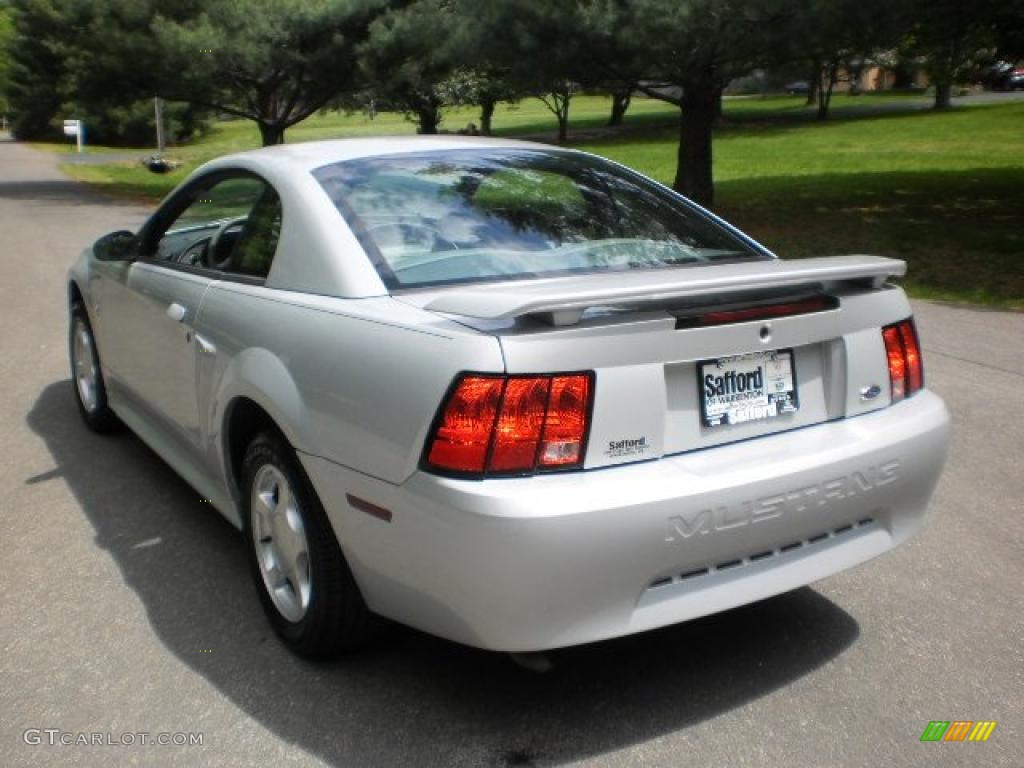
[515,396]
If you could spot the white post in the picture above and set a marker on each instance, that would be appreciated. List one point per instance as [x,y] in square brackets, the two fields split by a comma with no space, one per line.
[80,135]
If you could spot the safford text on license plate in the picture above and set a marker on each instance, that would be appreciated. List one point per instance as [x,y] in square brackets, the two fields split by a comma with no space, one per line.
[759,385]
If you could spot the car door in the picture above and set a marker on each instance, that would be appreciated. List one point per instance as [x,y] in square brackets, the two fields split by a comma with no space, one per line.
[184,249]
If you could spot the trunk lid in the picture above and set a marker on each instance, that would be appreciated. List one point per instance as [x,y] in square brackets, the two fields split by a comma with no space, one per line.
[647,334]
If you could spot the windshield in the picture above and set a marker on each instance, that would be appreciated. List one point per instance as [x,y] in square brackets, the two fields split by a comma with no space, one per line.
[464,216]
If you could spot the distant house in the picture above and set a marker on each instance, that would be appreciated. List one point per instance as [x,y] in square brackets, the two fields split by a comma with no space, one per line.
[875,77]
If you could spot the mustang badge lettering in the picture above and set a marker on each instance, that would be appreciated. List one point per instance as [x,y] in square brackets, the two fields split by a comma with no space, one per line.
[711,519]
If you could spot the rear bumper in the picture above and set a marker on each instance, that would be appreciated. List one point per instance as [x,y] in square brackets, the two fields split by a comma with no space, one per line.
[549,561]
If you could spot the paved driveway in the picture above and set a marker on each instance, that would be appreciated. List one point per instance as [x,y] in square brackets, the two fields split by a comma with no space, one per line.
[126,605]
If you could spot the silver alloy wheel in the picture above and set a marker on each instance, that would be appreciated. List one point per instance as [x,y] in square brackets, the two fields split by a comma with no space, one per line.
[279,537]
[83,364]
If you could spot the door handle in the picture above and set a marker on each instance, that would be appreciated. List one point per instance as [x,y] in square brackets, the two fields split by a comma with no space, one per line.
[176,312]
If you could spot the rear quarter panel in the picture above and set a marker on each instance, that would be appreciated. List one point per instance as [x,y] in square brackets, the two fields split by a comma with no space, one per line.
[357,382]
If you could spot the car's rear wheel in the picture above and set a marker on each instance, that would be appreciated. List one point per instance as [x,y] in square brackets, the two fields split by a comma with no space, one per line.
[304,582]
[87,375]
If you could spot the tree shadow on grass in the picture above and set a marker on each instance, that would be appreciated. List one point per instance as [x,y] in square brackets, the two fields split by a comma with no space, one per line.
[961,232]
[413,699]
[742,123]
[745,114]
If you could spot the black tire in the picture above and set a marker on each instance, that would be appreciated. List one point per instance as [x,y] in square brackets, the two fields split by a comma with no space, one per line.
[336,619]
[97,414]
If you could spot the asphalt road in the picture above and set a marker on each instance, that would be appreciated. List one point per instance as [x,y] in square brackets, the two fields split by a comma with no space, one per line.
[126,606]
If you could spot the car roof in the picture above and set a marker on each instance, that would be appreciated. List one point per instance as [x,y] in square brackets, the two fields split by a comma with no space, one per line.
[314,154]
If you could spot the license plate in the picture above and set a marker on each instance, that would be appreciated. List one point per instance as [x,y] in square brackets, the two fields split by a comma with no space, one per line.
[751,387]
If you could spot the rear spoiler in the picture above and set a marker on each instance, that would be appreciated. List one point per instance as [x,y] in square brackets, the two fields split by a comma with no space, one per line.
[563,300]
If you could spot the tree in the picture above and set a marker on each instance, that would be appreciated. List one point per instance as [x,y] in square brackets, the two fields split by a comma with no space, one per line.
[39,63]
[492,86]
[273,63]
[81,59]
[469,51]
[839,37]
[952,38]
[409,62]
[1009,25]
[685,52]
[479,84]
[110,43]
[541,47]
[6,35]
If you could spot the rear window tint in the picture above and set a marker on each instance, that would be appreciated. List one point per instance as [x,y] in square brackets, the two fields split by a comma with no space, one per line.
[462,216]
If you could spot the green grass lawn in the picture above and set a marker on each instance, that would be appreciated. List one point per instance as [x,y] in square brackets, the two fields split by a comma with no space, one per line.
[945,191]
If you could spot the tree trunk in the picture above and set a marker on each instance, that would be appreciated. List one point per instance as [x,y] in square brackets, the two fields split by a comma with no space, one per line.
[557,102]
[696,118]
[943,95]
[829,75]
[563,116]
[824,99]
[428,117]
[814,91]
[620,103]
[486,114]
[271,133]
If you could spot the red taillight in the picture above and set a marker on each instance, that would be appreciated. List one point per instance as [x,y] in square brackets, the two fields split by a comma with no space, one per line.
[906,373]
[565,426]
[915,371]
[897,363]
[512,424]
[464,434]
[519,425]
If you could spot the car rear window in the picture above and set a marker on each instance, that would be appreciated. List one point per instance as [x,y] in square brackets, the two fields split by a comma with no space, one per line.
[461,216]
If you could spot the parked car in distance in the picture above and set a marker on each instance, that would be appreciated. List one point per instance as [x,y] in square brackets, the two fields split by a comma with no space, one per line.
[801,87]
[1013,80]
[517,396]
[1000,76]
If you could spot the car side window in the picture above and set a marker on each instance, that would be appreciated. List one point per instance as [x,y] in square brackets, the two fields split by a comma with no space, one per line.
[253,252]
[231,225]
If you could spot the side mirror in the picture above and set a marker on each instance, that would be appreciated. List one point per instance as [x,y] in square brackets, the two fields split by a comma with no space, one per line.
[117,246]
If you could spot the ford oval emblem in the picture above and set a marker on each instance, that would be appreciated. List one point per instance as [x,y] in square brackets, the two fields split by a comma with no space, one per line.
[870,393]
